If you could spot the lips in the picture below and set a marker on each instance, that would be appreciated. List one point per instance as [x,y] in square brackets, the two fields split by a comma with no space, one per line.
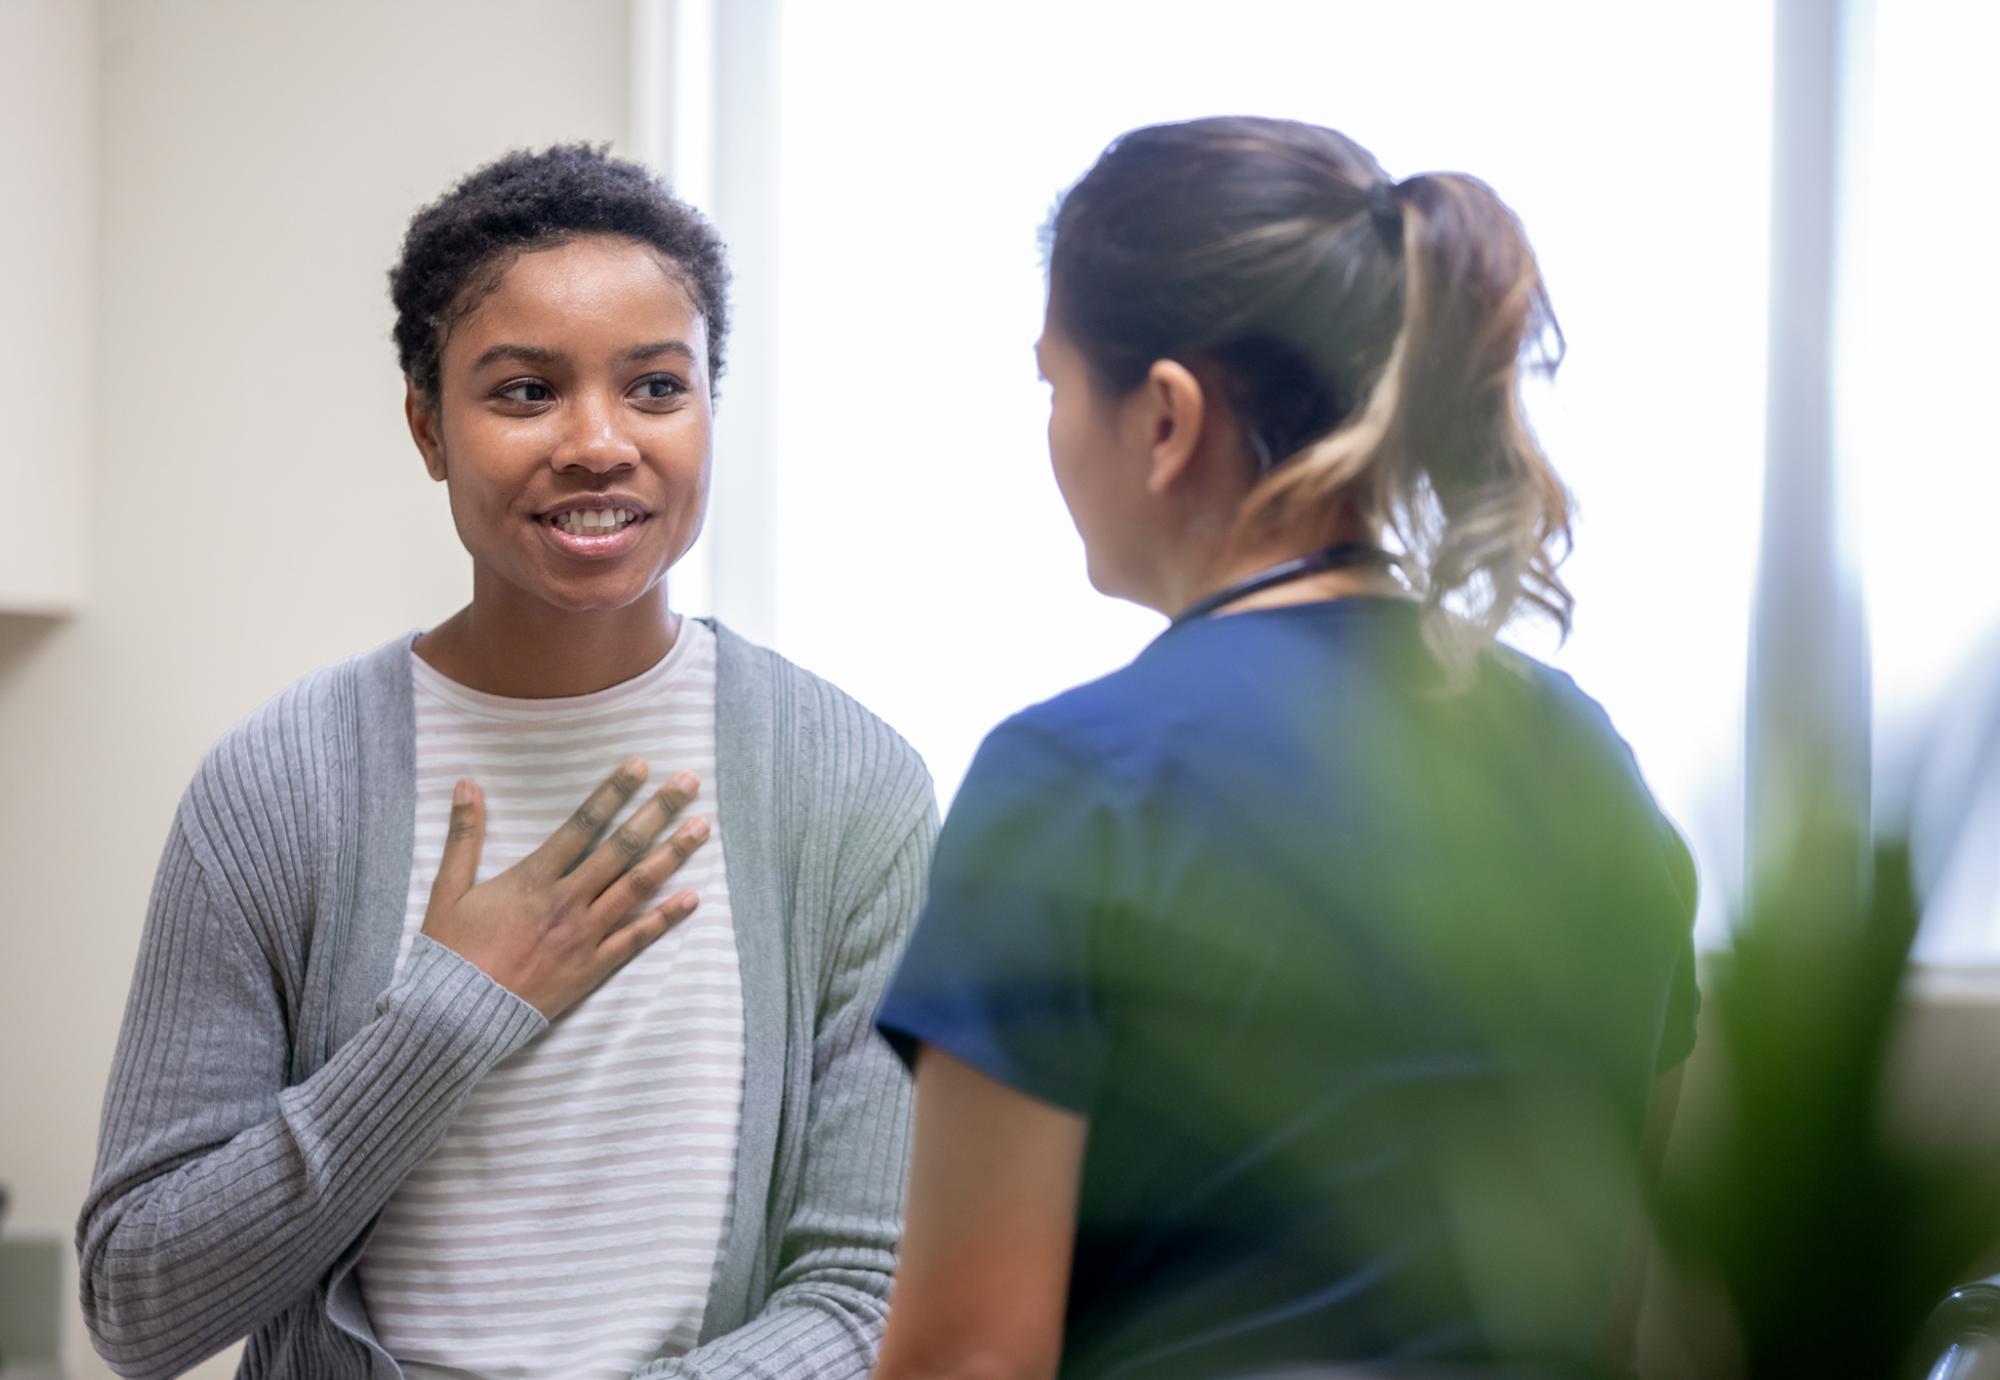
[593,533]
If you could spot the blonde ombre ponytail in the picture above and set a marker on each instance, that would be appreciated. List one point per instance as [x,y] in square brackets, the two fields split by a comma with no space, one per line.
[1439,455]
[1372,336]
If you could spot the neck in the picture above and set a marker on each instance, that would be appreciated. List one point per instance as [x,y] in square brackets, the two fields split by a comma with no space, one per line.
[504,644]
[1226,568]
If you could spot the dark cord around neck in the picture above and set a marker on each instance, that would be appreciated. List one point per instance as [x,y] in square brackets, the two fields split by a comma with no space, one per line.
[1339,557]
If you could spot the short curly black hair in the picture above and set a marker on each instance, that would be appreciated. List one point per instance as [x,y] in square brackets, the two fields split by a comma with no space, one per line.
[458,247]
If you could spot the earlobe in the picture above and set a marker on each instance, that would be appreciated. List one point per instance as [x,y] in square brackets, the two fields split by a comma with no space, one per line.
[1174,396]
[423,419]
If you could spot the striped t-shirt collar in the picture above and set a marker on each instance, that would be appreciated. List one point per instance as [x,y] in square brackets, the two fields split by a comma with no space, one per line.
[655,678]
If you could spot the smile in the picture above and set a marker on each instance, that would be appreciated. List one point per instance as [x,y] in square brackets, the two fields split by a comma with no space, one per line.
[593,533]
[594,522]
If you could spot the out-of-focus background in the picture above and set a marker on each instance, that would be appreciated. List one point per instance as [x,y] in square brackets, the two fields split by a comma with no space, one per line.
[1765,224]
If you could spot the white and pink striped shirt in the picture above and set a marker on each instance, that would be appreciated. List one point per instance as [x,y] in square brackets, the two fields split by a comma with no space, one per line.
[570,1220]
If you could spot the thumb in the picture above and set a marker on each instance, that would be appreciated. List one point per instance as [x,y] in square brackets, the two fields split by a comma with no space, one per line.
[462,840]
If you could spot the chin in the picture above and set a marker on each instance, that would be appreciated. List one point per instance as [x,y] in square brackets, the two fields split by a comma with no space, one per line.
[596,597]
[1131,591]
[1106,579]
[597,592]
[593,587]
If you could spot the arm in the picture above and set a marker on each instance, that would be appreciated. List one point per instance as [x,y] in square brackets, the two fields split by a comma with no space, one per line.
[1628,1291]
[220,1194]
[996,1005]
[1621,1335]
[986,1255]
[837,1249]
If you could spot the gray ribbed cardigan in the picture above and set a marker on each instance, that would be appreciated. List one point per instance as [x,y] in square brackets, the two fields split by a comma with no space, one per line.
[272,1085]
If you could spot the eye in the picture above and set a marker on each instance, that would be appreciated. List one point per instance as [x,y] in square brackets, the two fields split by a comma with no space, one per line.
[525,391]
[658,388]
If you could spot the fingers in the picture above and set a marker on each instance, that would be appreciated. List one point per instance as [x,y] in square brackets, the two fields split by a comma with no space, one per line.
[463,837]
[633,840]
[628,941]
[580,830]
[650,873]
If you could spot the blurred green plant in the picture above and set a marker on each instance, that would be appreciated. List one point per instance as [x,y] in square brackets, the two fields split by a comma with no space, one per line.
[1812,1233]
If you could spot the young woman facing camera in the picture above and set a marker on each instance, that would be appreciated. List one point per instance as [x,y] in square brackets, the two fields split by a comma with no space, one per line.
[449,1054]
[1292,998]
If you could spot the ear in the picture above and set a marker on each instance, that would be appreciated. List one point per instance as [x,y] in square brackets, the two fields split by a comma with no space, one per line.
[1173,408]
[422,415]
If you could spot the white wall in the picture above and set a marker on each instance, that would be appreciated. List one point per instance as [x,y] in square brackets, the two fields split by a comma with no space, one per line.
[258,507]
[48,231]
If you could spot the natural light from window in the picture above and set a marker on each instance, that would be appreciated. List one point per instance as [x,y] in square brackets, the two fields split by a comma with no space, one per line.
[1923,465]
[925,561]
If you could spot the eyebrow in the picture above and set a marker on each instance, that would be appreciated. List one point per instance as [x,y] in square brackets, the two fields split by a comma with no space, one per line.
[538,354]
[638,354]
[523,354]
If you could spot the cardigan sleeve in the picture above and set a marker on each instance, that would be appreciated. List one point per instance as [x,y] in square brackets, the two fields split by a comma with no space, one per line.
[837,1248]
[221,1194]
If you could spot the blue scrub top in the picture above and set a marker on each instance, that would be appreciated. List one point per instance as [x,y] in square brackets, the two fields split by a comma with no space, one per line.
[1362,985]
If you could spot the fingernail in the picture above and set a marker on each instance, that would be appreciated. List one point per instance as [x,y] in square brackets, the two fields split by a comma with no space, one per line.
[461,794]
[698,829]
[634,766]
[687,783]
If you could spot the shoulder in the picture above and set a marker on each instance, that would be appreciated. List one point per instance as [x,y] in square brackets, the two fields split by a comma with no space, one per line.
[1053,775]
[1598,759]
[1564,713]
[1106,738]
[841,762]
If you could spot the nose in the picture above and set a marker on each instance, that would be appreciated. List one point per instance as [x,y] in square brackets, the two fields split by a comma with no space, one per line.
[596,439]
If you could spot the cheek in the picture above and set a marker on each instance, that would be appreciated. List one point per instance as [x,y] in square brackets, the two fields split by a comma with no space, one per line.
[486,457]
[688,510]
[487,464]
[1083,455]
[478,500]
[692,457]
[477,514]
[682,458]
[1069,452]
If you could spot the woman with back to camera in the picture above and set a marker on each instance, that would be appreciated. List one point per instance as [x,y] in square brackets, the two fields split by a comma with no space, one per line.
[440,1062]
[1292,998]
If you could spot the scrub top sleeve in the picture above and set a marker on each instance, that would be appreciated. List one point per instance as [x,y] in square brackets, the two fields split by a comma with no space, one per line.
[1683,1006]
[1684,998]
[998,973]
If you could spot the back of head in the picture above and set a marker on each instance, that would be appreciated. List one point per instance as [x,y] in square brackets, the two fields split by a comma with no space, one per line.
[1370,334]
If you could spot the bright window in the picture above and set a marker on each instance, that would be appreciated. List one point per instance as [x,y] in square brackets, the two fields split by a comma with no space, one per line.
[1923,463]
[924,559]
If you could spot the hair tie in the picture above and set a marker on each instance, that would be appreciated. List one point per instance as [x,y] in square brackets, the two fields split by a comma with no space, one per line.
[1385,208]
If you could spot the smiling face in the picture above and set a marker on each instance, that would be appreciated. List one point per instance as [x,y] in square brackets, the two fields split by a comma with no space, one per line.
[572,425]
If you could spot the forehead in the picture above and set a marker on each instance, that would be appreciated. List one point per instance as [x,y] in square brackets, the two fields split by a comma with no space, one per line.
[598,285]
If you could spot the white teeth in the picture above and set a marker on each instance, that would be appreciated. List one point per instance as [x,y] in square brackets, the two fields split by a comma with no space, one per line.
[595,522]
